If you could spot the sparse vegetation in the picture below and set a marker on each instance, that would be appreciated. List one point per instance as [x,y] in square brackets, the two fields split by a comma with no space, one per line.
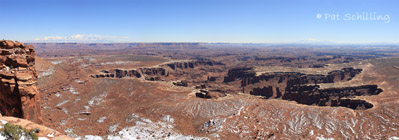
[16,132]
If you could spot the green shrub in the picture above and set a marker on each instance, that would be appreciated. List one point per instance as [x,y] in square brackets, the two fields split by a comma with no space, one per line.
[15,132]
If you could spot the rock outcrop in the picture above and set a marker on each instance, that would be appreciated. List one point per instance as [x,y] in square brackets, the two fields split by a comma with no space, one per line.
[312,95]
[192,64]
[180,83]
[152,74]
[43,132]
[118,73]
[304,88]
[209,94]
[19,96]
[248,76]
[165,72]
[267,92]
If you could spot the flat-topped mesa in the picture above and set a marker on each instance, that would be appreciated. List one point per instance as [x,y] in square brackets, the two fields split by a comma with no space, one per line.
[161,72]
[248,76]
[343,96]
[192,64]
[152,74]
[344,74]
[117,73]
[19,96]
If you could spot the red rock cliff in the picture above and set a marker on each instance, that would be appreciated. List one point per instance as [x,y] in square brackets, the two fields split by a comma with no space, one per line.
[19,96]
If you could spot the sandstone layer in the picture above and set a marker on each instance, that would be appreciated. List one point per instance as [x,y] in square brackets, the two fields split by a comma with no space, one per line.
[19,96]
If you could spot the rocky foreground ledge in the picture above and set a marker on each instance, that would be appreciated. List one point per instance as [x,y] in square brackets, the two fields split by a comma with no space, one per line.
[19,96]
[42,132]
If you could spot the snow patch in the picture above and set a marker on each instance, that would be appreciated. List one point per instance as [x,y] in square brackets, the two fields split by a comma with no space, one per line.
[81,119]
[323,138]
[72,90]
[168,118]
[43,138]
[3,122]
[113,128]
[97,100]
[51,135]
[91,137]
[57,95]
[146,129]
[55,62]
[154,131]
[101,119]
[63,122]
[62,103]
[115,62]
[46,73]
[65,110]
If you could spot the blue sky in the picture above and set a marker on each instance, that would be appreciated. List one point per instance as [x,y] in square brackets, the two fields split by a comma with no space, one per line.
[235,21]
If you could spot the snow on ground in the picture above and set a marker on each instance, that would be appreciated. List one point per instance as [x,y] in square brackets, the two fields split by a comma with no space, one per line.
[46,73]
[101,119]
[73,91]
[2,122]
[91,137]
[43,138]
[146,129]
[55,62]
[115,63]
[2,137]
[323,138]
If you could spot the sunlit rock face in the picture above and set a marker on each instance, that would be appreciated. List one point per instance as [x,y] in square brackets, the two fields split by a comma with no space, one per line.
[19,96]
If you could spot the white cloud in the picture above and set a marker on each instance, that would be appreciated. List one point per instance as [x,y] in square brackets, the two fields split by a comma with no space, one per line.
[83,38]
[316,41]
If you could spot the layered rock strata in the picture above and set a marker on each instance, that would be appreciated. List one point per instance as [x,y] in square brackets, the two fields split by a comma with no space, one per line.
[178,69]
[19,96]
[152,74]
[304,88]
[192,64]
[313,95]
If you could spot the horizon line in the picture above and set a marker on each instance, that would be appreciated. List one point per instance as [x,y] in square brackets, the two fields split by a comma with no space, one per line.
[254,43]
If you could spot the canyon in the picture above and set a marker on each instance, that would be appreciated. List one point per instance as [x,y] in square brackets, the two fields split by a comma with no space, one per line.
[204,90]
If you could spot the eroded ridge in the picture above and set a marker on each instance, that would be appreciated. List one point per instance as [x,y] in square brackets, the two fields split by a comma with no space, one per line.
[304,88]
[19,96]
[152,74]
[313,95]
[166,72]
